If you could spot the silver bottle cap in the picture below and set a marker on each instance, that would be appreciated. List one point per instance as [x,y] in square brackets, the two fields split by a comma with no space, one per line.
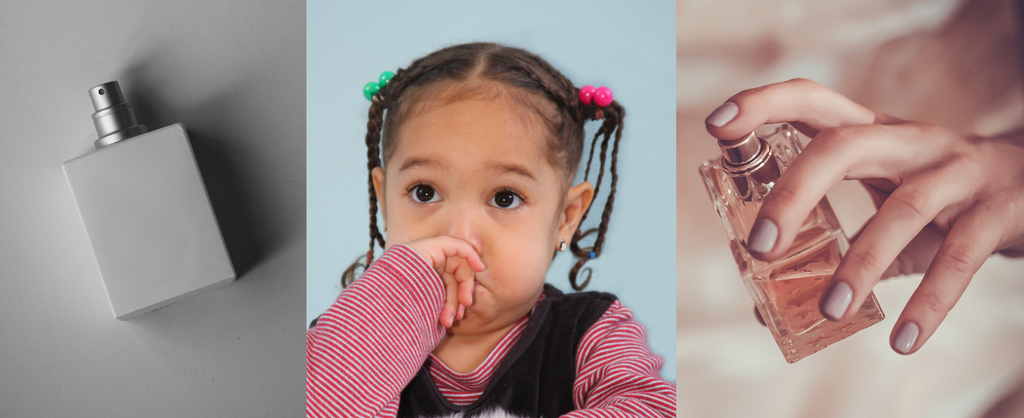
[114,118]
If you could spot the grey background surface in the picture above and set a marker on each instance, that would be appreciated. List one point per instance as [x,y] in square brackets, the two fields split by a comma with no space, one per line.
[234,75]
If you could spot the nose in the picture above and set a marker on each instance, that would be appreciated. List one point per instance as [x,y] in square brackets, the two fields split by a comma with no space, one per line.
[465,222]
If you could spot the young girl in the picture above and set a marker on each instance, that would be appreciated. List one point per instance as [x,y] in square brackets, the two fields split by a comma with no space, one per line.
[472,153]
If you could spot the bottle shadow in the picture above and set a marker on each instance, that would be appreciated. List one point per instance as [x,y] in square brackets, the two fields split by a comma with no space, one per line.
[213,133]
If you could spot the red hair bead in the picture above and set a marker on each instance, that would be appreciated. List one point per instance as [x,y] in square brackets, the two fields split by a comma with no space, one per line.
[586,93]
[603,96]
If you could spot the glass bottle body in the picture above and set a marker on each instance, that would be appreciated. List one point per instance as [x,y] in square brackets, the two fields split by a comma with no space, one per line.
[786,291]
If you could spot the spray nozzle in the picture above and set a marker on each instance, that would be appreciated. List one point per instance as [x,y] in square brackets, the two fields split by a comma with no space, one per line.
[114,118]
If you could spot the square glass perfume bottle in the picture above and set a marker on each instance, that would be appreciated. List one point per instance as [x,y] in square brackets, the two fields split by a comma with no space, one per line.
[785,291]
[146,211]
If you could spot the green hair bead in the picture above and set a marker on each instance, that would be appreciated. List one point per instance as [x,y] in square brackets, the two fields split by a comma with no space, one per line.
[370,89]
[385,77]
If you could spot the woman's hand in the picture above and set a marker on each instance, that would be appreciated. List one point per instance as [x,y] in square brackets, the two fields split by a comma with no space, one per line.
[946,201]
[455,261]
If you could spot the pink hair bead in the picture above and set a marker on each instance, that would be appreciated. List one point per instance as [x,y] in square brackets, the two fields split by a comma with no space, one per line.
[603,96]
[586,93]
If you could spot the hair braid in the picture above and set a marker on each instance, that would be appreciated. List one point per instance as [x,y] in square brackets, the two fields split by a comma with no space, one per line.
[613,124]
[590,159]
[606,214]
[606,132]
[373,130]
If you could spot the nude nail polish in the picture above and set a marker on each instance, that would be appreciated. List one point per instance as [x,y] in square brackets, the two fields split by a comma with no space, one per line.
[763,235]
[145,210]
[836,300]
[723,114]
[786,291]
[905,337]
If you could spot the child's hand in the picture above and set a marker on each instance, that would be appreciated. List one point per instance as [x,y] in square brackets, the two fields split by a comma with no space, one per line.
[455,261]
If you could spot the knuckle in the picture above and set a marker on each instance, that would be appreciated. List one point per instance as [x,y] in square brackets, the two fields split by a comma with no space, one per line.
[970,164]
[836,138]
[867,259]
[936,133]
[802,82]
[911,204]
[933,302]
[924,129]
[959,259]
[782,197]
[743,98]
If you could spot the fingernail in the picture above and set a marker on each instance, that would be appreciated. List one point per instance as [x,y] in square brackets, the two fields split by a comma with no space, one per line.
[762,236]
[836,300]
[723,115]
[905,338]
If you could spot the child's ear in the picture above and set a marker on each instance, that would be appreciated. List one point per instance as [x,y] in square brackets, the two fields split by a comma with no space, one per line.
[378,188]
[577,200]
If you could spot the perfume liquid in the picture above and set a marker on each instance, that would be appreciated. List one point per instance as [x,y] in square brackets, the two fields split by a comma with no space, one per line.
[146,211]
[786,291]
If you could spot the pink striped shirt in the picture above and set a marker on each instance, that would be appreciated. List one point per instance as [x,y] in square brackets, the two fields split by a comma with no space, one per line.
[375,337]
[463,389]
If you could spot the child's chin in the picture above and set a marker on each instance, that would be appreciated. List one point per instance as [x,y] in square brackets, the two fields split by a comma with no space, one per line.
[472,324]
[465,326]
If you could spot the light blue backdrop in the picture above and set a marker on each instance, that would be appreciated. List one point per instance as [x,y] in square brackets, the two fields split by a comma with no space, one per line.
[629,47]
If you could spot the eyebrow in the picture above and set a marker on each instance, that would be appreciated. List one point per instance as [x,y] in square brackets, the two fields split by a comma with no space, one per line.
[513,169]
[501,168]
[421,162]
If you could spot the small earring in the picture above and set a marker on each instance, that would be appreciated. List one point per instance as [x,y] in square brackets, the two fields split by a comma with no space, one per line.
[562,246]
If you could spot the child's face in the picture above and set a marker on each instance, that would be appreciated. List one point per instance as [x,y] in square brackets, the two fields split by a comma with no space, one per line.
[478,170]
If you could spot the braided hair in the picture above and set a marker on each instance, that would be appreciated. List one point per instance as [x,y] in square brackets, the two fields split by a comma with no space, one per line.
[523,73]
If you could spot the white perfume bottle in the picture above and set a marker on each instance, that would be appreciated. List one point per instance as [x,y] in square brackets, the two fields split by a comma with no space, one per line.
[146,211]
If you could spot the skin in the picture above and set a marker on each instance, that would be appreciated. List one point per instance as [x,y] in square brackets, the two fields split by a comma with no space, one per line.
[946,200]
[475,154]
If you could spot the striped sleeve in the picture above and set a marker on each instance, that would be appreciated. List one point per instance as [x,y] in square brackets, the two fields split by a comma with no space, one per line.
[617,375]
[375,337]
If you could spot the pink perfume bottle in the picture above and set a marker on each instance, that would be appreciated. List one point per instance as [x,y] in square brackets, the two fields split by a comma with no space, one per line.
[785,291]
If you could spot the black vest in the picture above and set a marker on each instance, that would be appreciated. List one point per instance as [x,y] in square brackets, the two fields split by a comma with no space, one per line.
[536,377]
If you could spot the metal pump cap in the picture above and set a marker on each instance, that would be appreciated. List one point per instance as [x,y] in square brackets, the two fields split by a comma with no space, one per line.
[749,156]
[114,118]
[740,151]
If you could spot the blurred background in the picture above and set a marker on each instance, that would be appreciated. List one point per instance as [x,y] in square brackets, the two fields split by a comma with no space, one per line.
[952,63]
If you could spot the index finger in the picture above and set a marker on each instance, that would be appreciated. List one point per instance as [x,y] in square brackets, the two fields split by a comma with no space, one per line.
[808,105]
[436,251]
[463,250]
[854,152]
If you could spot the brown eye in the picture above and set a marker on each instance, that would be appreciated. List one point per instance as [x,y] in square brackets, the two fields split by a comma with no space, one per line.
[425,194]
[506,199]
